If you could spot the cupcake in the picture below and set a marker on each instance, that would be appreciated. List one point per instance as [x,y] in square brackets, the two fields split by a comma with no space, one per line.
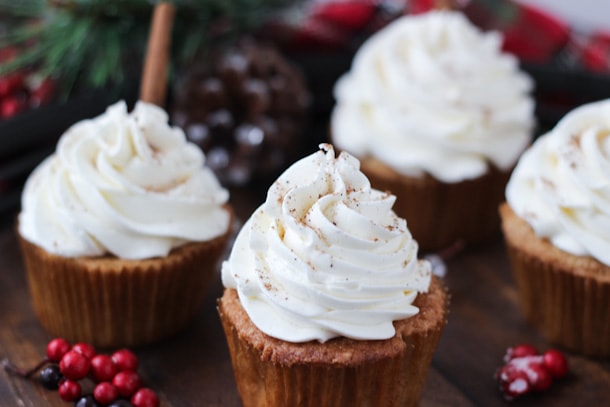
[325,300]
[121,229]
[438,115]
[556,224]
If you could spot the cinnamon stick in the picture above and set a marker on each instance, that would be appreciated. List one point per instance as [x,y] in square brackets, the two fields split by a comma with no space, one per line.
[153,85]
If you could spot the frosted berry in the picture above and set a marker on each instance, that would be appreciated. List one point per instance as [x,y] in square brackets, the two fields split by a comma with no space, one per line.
[519,351]
[86,401]
[127,382]
[84,349]
[555,362]
[539,378]
[518,385]
[145,397]
[103,368]
[124,359]
[56,349]
[105,393]
[69,390]
[50,377]
[74,365]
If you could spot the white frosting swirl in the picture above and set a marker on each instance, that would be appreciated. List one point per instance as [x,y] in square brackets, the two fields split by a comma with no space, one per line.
[326,256]
[432,94]
[561,185]
[125,184]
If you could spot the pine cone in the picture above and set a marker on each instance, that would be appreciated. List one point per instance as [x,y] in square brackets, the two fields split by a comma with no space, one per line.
[246,109]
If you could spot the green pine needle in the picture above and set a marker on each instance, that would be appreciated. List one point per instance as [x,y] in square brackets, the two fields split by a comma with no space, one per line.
[100,43]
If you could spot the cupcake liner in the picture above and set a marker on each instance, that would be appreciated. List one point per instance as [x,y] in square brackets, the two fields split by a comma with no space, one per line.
[341,372]
[566,297]
[440,214]
[112,302]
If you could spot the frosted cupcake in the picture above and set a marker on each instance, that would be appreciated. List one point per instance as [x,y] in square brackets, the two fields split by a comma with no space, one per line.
[121,229]
[556,223]
[437,115]
[326,302]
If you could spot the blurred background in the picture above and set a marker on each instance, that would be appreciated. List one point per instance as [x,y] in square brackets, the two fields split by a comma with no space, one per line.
[251,80]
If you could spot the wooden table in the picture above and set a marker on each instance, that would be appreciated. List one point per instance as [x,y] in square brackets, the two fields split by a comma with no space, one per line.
[193,368]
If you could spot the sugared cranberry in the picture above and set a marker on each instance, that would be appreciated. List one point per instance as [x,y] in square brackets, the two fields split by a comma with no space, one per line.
[555,362]
[69,390]
[105,393]
[43,93]
[74,365]
[127,382]
[518,385]
[519,351]
[84,349]
[145,397]
[124,359]
[11,82]
[103,368]
[56,349]
[539,377]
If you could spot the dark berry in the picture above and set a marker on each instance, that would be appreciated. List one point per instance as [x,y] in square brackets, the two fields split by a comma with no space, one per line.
[145,397]
[84,349]
[56,349]
[69,390]
[120,403]
[127,382]
[105,393]
[50,377]
[555,362]
[86,401]
[124,359]
[74,365]
[103,368]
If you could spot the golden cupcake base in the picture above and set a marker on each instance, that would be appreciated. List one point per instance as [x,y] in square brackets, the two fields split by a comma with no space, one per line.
[340,372]
[439,214]
[110,302]
[566,297]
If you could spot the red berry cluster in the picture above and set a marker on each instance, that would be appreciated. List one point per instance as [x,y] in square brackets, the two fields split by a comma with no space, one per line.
[114,380]
[22,89]
[526,370]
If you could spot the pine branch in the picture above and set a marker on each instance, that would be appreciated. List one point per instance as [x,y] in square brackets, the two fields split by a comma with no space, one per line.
[98,43]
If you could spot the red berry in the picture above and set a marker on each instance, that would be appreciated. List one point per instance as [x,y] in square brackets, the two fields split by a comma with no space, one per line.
[105,393]
[517,386]
[102,368]
[84,349]
[11,106]
[56,349]
[539,377]
[11,83]
[74,365]
[519,351]
[127,383]
[145,397]
[69,390]
[124,359]
[555,362]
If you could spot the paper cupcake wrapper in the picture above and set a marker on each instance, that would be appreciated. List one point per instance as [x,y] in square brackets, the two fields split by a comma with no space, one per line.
[342,372]
[566,297]
[439,214]
[111,302]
